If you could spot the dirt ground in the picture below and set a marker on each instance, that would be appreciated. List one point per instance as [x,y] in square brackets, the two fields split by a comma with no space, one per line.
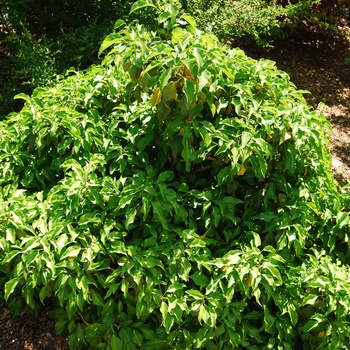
[319,63]
[29,333]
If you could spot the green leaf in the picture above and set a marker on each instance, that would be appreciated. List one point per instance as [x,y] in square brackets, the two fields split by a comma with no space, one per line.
[115,342]
[110,40]
[190,20]
[148,333]
[203,80]
[175,287]
[184,269]
[96,298]
[71,252]
[274,272]
[176,35]
[164,176]
[119,23]
[145,208]
[138,5]
[151,262]
[188,154]
[196,294]
[309,325]
[203,314]
[164,78]
[45,290]
[200,279]
[130,216]
[293,313]
[126,335]
[31,243]
[154,344]
[198,54]
[9,256]
[10,287]
[189,90]
[158,210]
[269,320]
[116,247]
[23,97]
[168,320]
[61,242]
[125,287]
[137,337]
[246,136]
[224,175]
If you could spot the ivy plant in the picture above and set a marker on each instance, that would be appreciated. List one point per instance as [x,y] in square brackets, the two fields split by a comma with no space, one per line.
[177,196]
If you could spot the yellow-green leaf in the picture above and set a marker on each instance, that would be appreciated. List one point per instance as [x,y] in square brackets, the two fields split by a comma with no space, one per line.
[156,97]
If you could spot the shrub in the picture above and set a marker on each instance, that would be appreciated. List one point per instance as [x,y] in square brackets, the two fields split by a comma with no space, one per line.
[178,196]
[44,39]
[38,62]
[263,20]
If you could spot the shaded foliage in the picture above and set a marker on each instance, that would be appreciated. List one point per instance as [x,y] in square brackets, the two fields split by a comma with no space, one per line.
[42,39]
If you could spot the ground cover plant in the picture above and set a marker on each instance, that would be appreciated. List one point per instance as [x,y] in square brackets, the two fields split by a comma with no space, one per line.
[179,195]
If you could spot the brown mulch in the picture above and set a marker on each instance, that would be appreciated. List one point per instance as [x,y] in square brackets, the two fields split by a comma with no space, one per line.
[317,62]
[27,332]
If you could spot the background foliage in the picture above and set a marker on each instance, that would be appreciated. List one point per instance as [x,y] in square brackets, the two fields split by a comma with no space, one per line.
[263,20]
[42,39]
[179,195]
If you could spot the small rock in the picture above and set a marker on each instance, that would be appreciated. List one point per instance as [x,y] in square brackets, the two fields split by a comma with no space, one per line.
[336,163]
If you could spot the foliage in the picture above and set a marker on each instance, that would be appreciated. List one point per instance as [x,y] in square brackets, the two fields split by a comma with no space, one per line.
[261,20]
[50,17]
[179,196]
[38,62]
[43,39]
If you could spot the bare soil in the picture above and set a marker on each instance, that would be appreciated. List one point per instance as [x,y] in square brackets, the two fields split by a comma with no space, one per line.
[27,332]
[317,62]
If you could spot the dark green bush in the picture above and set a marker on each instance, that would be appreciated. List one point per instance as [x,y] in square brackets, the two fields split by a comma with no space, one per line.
[37,62]
[51,17]
[42,39]
[178,196]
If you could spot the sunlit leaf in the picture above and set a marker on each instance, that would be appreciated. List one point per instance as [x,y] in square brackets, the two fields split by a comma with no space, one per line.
[203,80]
[189,19]
[110,40]
[71,252]
[195,294]
[140,4]
[177,34]
[10,287]
[190,92]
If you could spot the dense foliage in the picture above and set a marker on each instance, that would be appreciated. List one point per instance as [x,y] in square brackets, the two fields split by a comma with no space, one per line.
[178,196]
[264,20]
